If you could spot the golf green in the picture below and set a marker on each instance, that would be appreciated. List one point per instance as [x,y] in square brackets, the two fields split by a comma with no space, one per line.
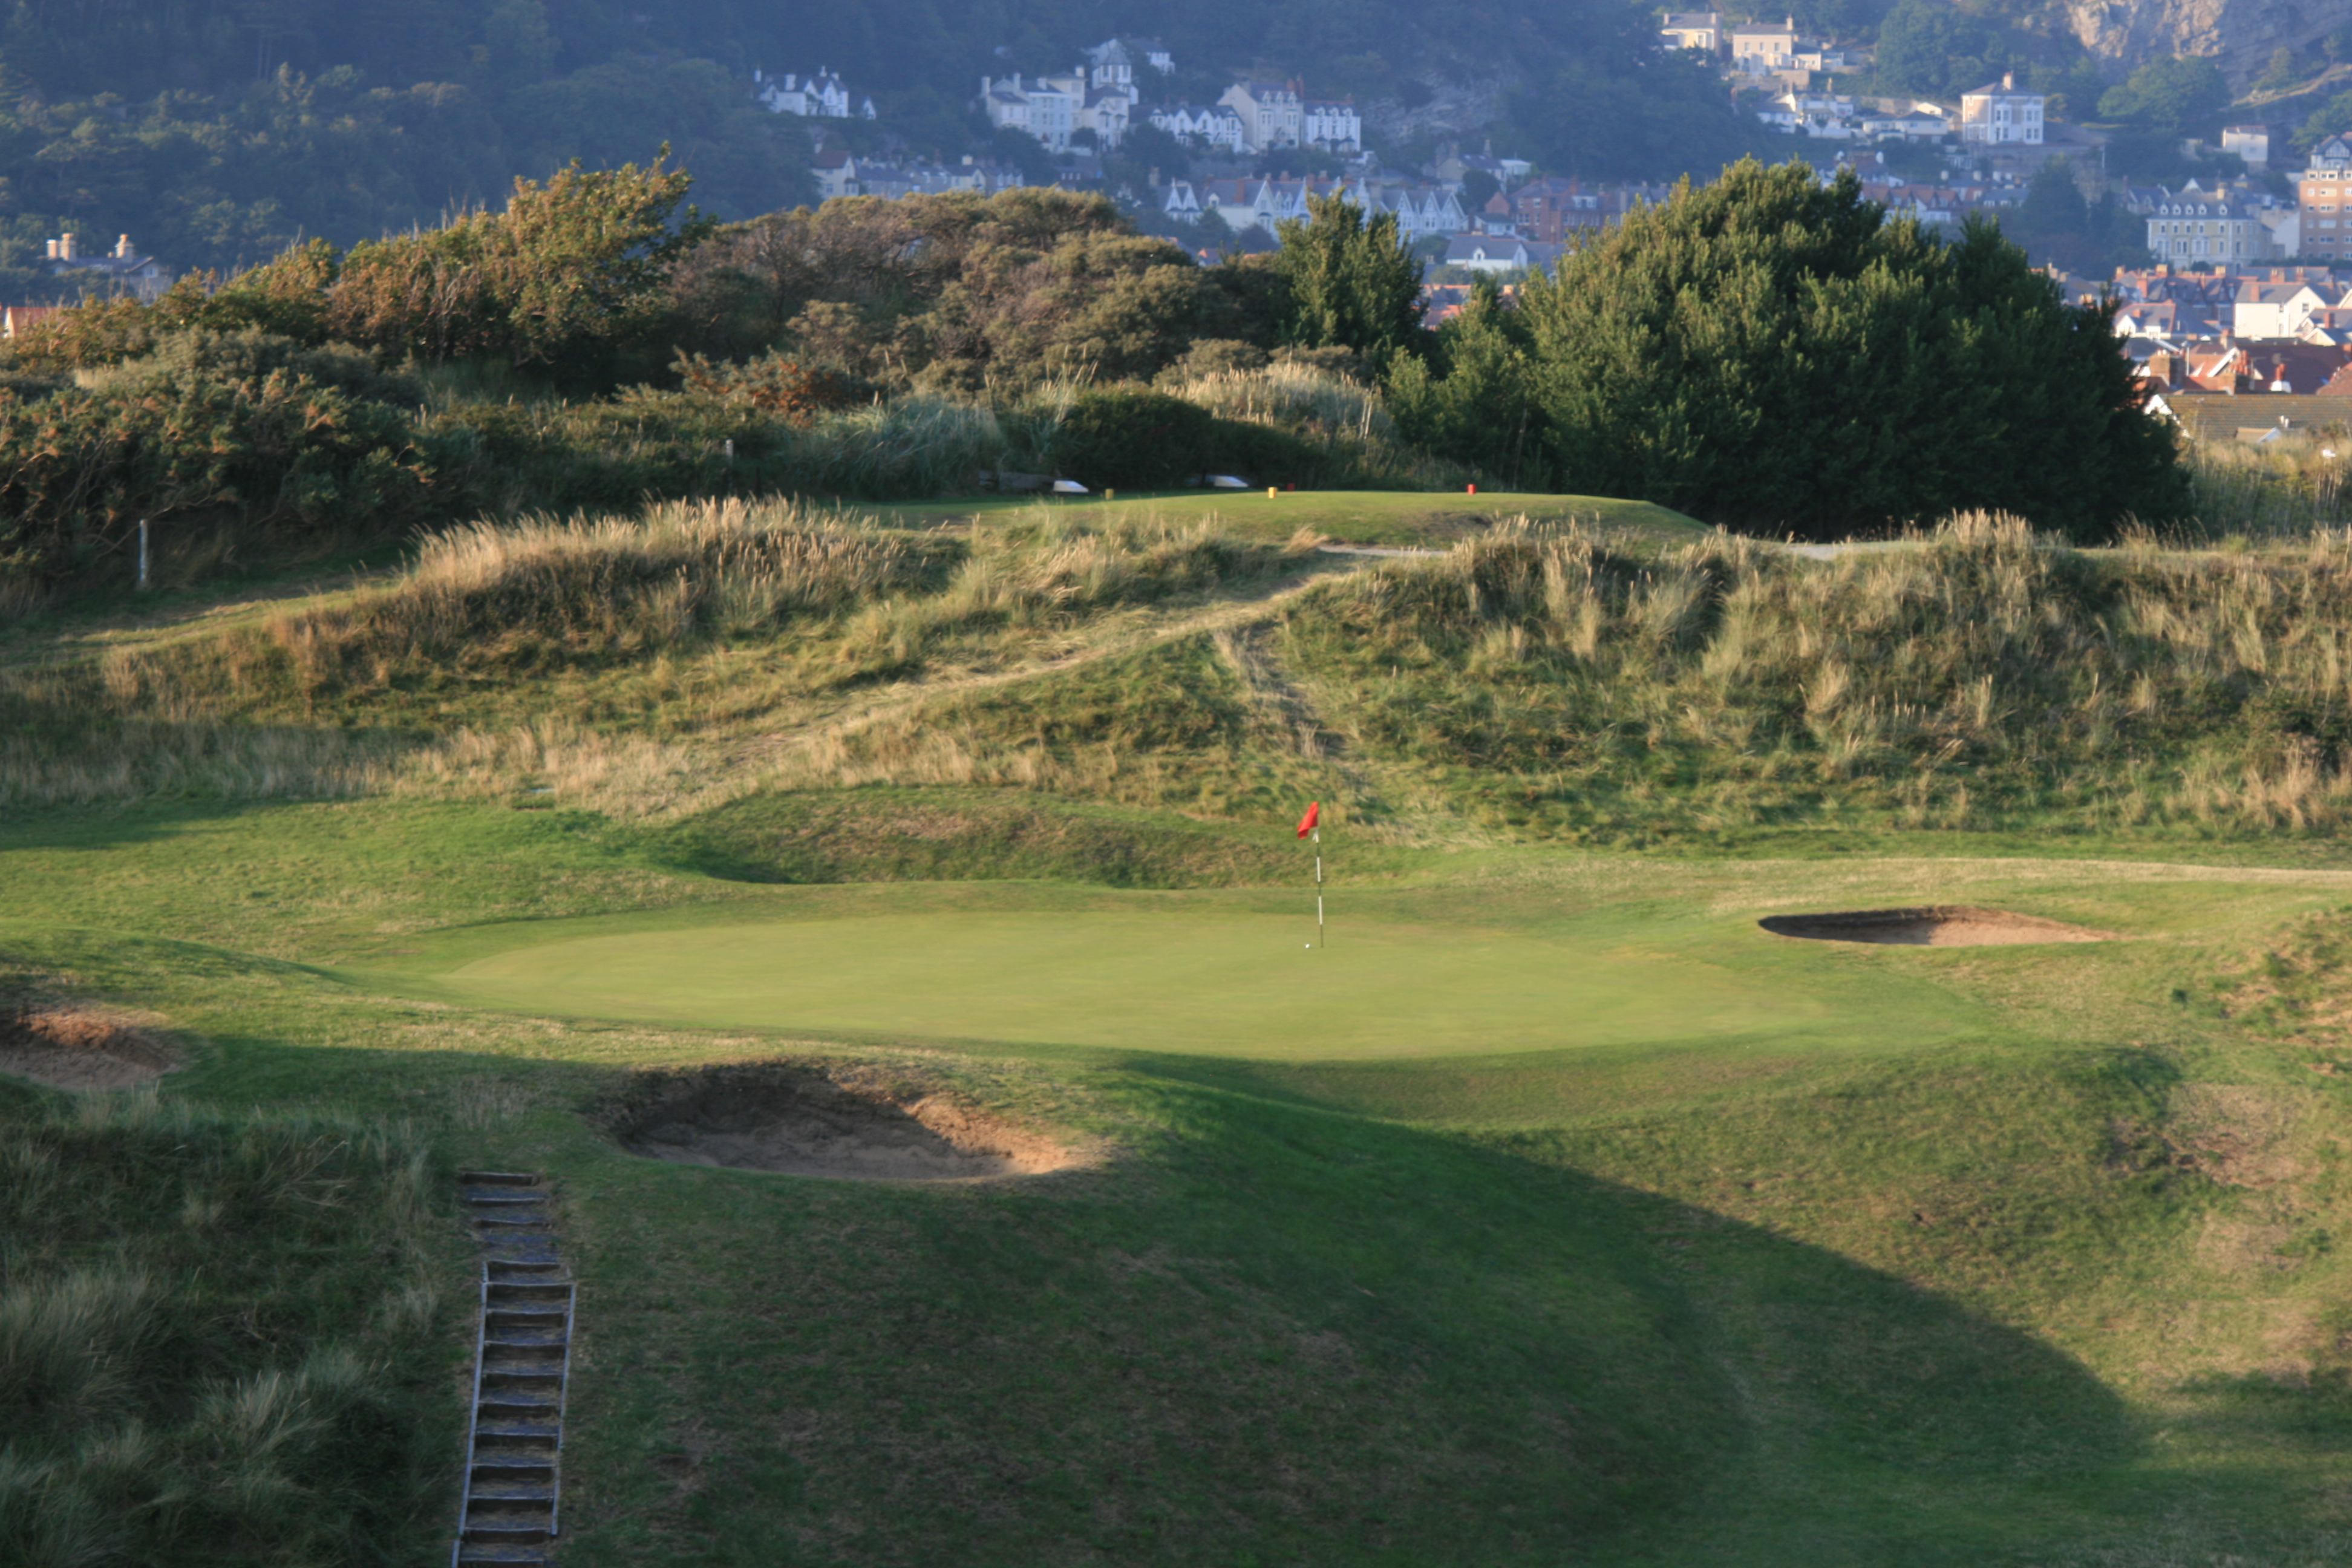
[1221,982]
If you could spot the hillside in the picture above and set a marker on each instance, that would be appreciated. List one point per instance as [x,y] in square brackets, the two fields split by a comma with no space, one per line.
[215,143]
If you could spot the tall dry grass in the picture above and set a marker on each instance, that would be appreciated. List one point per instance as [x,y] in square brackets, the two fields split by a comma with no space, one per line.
[219,1336]
[1978,677]
[1348,420]
[2282,488]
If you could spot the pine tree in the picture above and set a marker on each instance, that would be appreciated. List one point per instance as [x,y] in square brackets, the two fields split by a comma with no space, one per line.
[1774,354]
[1349,283]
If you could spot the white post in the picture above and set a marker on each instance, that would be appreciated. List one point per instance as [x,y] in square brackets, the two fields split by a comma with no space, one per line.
[142,555]
[1319,887]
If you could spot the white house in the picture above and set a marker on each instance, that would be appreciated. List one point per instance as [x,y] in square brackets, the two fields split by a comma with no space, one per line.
[1334,126]
[1693,30]
[1811,115]
[1054,107]
[1199,125]
[1499,253]
[2275,310]
[2252,142]
[1998,113]
[1759,48]
[1920,122]
[1181,202]
[122,271]
[821,95]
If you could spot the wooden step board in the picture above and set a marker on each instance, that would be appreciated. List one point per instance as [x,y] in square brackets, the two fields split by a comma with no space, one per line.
[523,1370]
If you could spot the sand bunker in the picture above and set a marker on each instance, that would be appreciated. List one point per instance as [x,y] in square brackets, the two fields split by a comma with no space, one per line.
[79,1047]
[1933,925]
[811,1121]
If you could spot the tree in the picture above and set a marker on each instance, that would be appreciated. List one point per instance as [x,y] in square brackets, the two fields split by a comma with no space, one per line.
[2166,94]
[1474,399]
[1773,354]
[1653,116]
[1349,283]
[1925,47]
[2330,119]
[564,277]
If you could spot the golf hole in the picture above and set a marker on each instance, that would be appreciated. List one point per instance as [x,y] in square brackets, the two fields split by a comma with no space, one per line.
[805,1120]
[1933,925]
[79,1047]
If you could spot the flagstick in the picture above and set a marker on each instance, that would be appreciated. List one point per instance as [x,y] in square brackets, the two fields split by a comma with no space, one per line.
[1319,887]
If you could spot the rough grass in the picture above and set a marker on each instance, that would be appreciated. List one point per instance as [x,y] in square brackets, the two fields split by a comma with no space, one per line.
[222,1337]
[1980,677]
[2284,489]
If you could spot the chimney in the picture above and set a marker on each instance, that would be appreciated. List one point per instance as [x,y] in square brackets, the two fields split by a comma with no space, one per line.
[122,251]
[2008,82]
[53,250]
[66,247]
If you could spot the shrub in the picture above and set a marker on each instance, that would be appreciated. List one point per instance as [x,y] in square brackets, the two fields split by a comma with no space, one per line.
[1147,440]
[251,355]
[80,467]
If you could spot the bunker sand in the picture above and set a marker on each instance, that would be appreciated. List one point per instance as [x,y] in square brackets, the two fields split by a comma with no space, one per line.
[1931,925]
[79,1047]
[842,1124]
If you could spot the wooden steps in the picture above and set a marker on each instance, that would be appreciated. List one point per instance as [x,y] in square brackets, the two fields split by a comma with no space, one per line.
[522,1369]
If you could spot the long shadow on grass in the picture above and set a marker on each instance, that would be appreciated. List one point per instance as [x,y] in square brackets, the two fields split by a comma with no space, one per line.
[1280,1334]
[1272,1332]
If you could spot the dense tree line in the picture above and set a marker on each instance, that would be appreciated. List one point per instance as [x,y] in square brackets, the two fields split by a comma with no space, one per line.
[1761,351]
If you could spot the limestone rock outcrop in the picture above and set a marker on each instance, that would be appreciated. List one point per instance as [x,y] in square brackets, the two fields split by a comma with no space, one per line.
[2243,34]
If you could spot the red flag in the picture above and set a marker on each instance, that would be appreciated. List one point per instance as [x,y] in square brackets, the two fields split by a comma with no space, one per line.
[1307,823]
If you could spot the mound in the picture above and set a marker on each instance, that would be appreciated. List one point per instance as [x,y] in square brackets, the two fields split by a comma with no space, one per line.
[79,1047]
[808,1122]
[1933,925]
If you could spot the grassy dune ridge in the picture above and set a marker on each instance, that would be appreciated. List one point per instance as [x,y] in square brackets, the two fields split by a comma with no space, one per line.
[1563,1216]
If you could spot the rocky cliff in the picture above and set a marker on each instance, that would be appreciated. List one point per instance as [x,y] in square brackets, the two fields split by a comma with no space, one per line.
[2243,34]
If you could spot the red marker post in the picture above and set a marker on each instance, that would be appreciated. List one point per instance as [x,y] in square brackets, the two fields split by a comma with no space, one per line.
[1307,828]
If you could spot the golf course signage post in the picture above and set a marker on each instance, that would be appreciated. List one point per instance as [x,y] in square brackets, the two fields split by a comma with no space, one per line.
[1307,829]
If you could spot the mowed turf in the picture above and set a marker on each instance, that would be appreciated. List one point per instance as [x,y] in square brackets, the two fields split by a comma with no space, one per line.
[1196,975]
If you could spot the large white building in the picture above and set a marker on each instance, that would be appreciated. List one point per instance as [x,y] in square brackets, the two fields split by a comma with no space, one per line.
[821,95]
[1997,114]
[1053,108]
[1332,124]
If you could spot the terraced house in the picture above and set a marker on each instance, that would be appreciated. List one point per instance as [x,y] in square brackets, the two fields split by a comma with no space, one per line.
[2192,226]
